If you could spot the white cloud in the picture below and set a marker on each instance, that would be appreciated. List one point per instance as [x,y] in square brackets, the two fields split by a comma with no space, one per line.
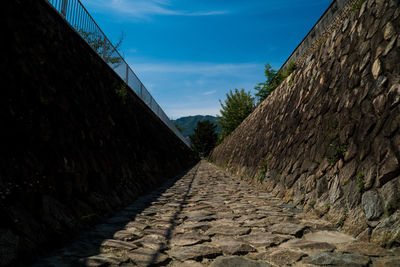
[209,92]
[146,8]
[208,69]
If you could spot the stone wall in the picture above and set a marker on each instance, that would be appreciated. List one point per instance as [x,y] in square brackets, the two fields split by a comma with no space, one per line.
[328,137]
[73,148]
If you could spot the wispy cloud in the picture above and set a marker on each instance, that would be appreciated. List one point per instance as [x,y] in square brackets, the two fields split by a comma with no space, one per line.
[209,92]
[207,69]
[146,8]
[194,88]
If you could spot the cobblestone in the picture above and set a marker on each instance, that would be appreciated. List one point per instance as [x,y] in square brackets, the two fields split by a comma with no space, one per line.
[204,218]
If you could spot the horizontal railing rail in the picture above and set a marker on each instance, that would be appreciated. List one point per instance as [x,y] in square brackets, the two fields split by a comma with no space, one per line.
[79,18]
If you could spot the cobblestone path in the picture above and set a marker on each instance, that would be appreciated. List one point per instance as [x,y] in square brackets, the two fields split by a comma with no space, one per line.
[209,218]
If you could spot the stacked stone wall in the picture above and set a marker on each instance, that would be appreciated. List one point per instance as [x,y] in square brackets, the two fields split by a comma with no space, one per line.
[328,138]
[74,145]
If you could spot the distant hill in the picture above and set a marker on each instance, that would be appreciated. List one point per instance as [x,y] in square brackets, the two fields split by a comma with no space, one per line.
[187,124]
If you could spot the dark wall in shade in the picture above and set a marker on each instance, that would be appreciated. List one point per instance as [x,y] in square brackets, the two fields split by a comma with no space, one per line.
[72,149]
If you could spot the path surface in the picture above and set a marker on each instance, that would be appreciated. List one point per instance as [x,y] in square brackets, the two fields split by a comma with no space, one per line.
[209,218]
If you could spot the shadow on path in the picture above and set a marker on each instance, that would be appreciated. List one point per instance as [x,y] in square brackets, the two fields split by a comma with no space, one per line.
[87,249]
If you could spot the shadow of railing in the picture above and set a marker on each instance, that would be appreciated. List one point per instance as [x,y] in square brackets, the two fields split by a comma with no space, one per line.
[89,244]
[174,219]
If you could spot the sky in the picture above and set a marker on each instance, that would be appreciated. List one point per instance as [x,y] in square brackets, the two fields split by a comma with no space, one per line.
[190,53]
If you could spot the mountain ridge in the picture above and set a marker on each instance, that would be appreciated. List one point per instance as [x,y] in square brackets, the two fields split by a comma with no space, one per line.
[188,123]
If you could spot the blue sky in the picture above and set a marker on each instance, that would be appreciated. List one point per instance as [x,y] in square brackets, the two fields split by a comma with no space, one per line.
[190,53]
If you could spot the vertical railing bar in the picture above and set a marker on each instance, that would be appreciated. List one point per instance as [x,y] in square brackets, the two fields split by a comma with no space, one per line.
[104,47]
[75,11]
[127,76]
[78,14]
[92,26]
[84,21]
[69,10]
[80,19]
[63,7]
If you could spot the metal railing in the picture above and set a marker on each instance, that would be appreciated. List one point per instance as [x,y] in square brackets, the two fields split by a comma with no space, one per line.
[79,18]
[323,22]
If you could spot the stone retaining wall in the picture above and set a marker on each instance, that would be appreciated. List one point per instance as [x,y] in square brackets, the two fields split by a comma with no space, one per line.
[74,148]
[328,137]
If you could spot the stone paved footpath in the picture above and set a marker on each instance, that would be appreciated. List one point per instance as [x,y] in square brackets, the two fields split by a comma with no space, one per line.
[210,218]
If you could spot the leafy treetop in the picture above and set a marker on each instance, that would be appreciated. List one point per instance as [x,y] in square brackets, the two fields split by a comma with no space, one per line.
[238,105]
[274,79]
[204,138]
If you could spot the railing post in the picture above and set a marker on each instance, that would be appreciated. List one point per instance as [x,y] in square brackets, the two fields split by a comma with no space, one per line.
[64,5]
[126,73]
[104,48]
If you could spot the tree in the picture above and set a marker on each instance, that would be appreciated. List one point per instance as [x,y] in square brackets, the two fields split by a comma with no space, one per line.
[274,79]
[103,47]
[238,105]
[204,138]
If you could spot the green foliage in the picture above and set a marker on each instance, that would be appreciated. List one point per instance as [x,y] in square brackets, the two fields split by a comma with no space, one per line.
[340,223]
[273,80]
[122,92]
[189,123]
[204,138]
[290,68]
[314,76]
[238,105]
[280,171]
[291,80]
[327,207]
[262,171]
[342,220]
[360,185]
[338,150]
[103,47]
[88,217]
[390,209]
[312,203]
[357,5]
[301,201]
[225,163]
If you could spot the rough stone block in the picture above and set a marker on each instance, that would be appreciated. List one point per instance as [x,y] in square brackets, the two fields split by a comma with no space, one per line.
[372,205]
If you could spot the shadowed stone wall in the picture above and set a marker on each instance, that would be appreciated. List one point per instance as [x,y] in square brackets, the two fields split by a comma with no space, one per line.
[72,149]
[328,137]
